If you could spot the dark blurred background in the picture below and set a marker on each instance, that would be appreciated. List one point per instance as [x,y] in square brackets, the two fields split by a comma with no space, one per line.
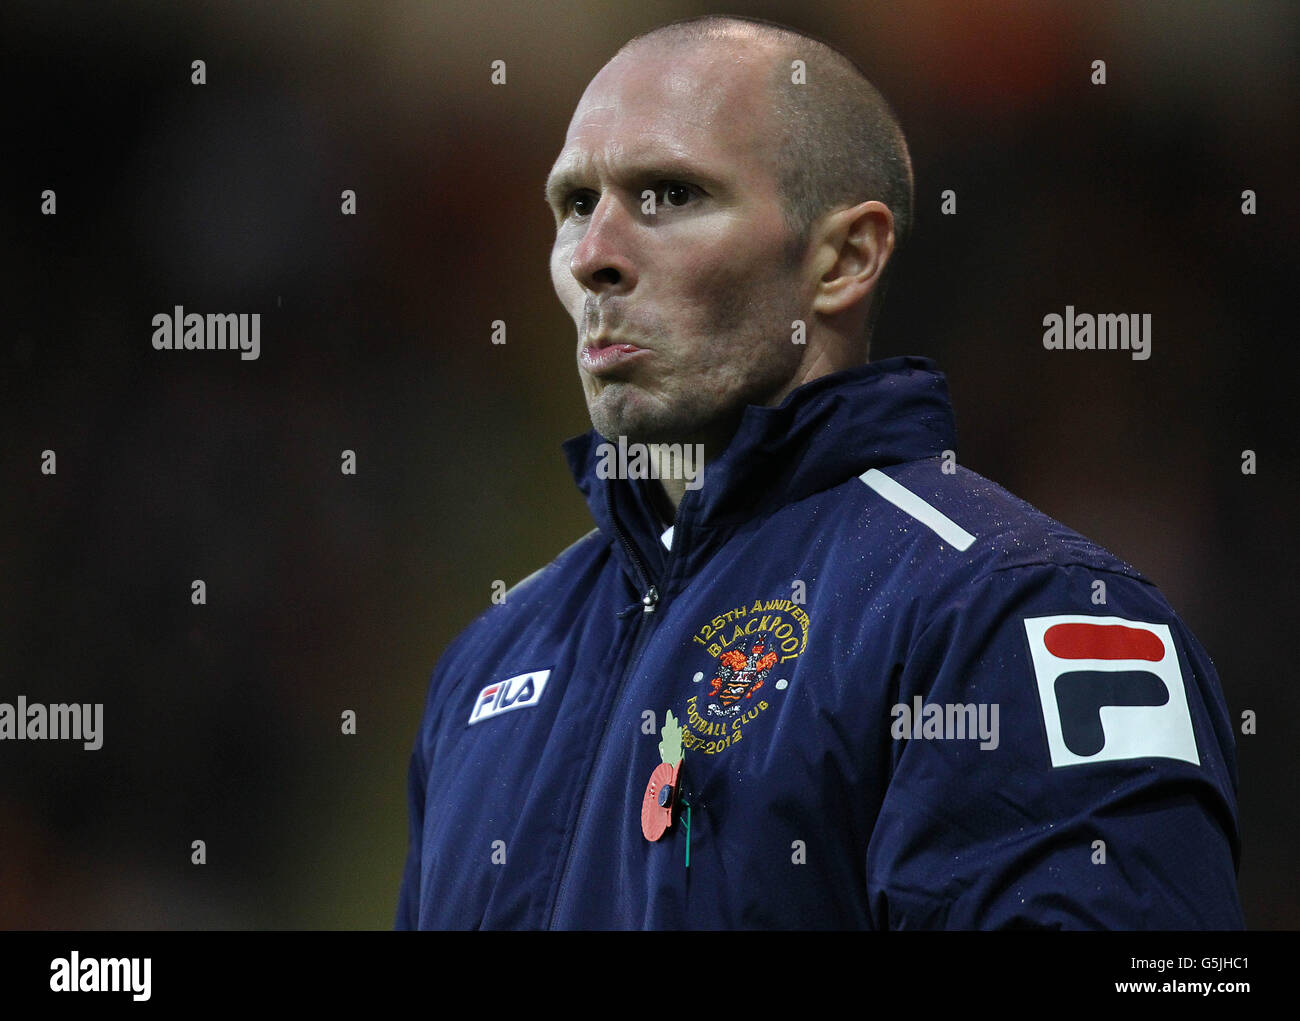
[329,592]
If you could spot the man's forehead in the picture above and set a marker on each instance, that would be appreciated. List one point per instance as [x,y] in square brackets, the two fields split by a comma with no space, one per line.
[688,103]
[705,76]
[606,113]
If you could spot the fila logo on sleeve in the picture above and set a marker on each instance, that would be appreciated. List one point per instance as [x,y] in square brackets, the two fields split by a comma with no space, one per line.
[513,693]
[1110,689]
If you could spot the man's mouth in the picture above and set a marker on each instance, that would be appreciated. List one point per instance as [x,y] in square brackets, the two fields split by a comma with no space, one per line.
[602,354]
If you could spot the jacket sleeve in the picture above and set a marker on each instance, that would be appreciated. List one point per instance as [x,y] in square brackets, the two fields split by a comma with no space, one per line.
[408,898]
[1098,790]
[409,894]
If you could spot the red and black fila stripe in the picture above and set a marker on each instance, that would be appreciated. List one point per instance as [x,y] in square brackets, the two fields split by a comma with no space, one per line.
[1080,694]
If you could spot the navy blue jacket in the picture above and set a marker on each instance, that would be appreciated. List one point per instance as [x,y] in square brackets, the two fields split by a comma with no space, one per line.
[908,699]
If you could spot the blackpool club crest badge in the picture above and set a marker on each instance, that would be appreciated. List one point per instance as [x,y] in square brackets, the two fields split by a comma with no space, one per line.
[753,648]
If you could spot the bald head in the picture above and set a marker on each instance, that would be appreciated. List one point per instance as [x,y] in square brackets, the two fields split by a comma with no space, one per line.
[834,140]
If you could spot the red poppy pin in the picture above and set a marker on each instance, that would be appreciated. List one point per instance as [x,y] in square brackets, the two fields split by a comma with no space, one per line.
[662,792]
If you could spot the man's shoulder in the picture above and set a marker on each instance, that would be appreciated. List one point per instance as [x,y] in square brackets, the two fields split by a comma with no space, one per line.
[954,520]
[578,552]
[569,573]
[566,577]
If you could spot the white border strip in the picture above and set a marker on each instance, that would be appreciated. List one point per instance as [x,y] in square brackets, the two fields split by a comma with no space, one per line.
[908,502]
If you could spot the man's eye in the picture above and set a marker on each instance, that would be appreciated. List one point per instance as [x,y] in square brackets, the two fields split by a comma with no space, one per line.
[583,203]
[671,193]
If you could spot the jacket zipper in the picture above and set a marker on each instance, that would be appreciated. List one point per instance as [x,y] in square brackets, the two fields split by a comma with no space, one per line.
[649,602]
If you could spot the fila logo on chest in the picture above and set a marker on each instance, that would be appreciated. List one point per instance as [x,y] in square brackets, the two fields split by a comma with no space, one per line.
[499,697]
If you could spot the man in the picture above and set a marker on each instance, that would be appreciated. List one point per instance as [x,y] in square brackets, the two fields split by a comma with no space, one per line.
[831,679]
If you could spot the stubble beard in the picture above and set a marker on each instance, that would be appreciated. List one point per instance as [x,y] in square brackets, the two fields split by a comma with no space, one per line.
[699,408]
[704,404]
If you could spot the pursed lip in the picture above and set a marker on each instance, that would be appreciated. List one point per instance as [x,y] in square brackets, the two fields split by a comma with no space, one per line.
[599,342]
[602,355]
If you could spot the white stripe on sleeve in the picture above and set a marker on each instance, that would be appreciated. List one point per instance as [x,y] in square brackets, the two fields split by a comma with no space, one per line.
[908,502]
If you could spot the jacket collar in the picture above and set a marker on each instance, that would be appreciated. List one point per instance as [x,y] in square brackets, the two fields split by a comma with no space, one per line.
[823,433]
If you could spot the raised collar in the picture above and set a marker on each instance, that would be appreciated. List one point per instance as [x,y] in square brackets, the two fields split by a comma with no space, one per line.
[823,433]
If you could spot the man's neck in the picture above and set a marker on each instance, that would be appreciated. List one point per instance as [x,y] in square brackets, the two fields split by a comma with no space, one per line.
[663,500]
[675,468]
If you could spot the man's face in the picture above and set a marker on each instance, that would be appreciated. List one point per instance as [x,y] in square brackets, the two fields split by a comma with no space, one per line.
[684,314]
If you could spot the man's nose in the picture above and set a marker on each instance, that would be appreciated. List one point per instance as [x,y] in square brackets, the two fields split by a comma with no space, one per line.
[601,260]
